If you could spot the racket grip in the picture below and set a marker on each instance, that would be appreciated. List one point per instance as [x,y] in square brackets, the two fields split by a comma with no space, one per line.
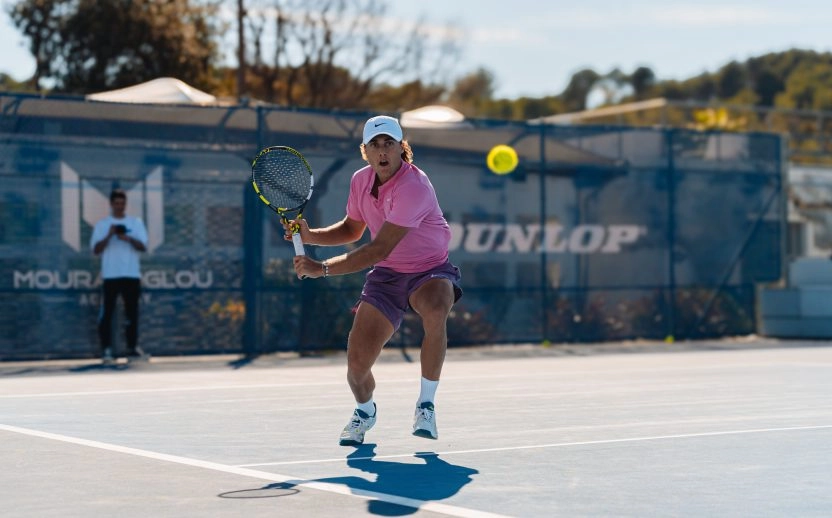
[298,244]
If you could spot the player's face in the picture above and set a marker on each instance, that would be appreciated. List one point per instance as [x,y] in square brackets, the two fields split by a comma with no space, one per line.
[119,205]
[384,154]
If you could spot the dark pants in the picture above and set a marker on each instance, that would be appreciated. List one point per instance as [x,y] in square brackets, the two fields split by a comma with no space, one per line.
[129,289]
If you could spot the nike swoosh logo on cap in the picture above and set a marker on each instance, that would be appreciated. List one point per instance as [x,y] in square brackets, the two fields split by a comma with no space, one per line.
[379,124]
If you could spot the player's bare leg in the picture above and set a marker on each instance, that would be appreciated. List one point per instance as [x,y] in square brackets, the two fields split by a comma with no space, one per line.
[370,331]
[432,301]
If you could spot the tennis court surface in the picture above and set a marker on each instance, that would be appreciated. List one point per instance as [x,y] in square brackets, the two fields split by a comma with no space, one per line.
[722,430]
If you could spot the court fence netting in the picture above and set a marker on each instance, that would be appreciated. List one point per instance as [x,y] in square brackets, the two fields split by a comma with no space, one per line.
[602,233]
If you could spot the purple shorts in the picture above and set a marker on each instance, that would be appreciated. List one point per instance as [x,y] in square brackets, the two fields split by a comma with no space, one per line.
[389,291]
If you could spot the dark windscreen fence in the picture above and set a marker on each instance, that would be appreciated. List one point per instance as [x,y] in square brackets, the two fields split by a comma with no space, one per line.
[601,233]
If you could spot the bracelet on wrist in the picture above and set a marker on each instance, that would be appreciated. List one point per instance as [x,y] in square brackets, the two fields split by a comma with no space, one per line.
[325,268]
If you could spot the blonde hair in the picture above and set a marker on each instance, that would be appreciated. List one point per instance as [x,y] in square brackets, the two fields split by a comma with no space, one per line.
[407,152]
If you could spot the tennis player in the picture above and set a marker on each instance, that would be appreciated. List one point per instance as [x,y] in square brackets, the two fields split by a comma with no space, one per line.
[408,254]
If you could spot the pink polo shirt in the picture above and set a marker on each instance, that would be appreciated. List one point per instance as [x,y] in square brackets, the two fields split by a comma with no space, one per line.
[407,200]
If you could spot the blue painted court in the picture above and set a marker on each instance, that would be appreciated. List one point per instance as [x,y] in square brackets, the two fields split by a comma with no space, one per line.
[710,429]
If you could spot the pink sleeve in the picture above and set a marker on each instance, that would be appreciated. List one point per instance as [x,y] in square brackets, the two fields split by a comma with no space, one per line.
[411,206]
[352,201]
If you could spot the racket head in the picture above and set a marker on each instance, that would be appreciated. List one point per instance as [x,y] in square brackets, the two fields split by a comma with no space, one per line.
[282,178]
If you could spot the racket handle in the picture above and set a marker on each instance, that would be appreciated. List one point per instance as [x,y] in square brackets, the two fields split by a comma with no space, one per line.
[298,244]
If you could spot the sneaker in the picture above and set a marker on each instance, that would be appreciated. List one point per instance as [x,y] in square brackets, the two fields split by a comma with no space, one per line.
[138,354]
[353,433]
[424,421]
[107,356]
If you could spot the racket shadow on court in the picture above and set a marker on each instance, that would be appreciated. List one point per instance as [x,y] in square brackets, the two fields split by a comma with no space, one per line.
[428,479]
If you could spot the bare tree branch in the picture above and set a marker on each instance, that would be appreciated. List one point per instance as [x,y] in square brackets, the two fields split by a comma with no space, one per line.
[333,53]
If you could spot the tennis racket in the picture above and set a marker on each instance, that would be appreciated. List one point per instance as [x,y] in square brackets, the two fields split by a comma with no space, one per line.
[283,180]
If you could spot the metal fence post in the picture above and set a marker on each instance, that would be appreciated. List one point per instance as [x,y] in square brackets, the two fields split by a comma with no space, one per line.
[671,237]
[252,262]
[544,278]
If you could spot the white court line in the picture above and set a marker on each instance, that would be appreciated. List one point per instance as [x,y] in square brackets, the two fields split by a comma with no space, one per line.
[170,389]
[491,377]
[339,383]
[196,388]
[553,445]
[200,388]
[436,507]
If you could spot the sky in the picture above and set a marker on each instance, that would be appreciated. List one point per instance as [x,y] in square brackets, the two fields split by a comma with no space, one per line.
[532,47]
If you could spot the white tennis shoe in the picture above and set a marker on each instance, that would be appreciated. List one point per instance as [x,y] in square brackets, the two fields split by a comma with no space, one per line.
[137,355]
[359,424]
[424,421]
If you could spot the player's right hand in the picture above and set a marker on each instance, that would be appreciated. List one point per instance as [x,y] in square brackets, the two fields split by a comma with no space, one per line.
[303,228]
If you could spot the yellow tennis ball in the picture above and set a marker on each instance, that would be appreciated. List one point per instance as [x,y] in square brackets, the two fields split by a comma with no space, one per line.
[502,159]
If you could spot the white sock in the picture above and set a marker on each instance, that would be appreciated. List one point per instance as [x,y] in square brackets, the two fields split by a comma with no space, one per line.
[368,407]
[428,392]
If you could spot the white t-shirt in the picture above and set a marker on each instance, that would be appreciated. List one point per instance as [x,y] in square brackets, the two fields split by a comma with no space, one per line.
[119,258]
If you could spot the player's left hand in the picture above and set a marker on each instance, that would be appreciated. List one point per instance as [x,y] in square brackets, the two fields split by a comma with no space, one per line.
[305,267]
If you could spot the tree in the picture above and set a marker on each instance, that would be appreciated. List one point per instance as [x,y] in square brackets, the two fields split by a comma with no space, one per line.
[609,89]
[767,86]
[808,88]
[39,20]
[406,96]
[642,81]
[731,80]
[472,92]
[83,46]
[526,108]
[576,92]
[333,53]
[8,84]
[702,87]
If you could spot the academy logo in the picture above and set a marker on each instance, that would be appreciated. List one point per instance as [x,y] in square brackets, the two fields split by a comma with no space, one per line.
[80,201]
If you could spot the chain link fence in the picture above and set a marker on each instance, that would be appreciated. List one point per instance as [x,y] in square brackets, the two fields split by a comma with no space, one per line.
[602,233]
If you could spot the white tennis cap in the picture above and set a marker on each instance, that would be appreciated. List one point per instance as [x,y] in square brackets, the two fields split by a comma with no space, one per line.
[382,125]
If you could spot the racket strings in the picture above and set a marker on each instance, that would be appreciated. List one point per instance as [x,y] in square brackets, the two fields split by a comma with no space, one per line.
[283,178]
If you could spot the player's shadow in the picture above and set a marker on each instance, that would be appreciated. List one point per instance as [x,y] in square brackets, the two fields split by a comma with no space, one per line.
[398,488]
[427,480]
